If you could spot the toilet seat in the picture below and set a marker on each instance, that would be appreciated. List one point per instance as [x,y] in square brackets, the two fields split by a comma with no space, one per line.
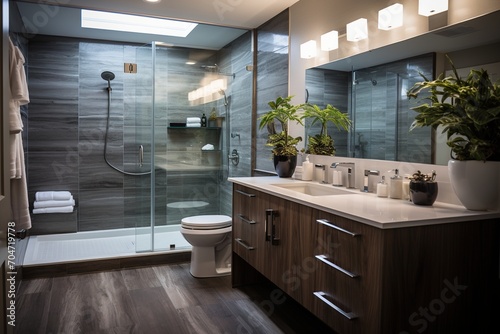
[206,222]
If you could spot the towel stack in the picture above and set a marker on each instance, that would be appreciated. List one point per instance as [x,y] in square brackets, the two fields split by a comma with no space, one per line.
[193,122]
[53,202]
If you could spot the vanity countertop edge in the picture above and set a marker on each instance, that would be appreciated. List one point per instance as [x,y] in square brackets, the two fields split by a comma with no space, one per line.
[367,208]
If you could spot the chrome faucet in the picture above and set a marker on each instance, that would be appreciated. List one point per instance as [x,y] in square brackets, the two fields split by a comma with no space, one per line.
[366,181]
[350,172]
[325,173]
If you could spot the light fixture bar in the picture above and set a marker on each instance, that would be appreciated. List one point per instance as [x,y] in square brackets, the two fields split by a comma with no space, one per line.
[133,23]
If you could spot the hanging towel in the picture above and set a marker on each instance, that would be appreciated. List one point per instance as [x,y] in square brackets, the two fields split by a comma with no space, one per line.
[60,209]
[18,96]
[53,196]
[51,204]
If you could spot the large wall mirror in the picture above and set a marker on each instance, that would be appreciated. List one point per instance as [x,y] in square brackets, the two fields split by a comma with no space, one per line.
[372,87]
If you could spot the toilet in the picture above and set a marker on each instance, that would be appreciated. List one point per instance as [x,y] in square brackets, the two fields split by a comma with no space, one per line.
[210,238]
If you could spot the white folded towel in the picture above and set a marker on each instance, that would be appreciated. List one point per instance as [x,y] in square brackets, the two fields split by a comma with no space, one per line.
[60,209]
[193,120]
[51,204]
[208,147]
[52,195]
[193,125]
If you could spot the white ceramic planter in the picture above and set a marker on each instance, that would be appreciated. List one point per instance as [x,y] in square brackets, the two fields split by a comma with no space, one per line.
[476,183]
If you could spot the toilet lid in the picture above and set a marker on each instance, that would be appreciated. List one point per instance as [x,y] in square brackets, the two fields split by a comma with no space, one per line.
[206,222]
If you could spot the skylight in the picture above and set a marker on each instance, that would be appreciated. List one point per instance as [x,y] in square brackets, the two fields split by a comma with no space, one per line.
[133,23]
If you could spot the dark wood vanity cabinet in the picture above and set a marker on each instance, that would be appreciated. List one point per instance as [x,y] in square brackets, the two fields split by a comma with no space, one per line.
[357,278]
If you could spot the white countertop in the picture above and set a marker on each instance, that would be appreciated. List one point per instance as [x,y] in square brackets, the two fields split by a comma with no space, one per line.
[367,207]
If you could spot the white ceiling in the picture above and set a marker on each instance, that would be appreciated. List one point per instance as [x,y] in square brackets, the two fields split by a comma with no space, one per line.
[223,20]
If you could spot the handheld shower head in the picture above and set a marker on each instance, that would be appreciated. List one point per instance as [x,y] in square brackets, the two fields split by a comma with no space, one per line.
[223,93]
[107,75]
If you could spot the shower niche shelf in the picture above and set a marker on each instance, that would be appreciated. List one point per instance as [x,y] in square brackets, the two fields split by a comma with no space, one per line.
[193,128]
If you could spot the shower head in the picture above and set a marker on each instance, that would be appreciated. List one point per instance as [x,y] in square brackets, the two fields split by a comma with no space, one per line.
[214,68]
[223,93]
[107,75]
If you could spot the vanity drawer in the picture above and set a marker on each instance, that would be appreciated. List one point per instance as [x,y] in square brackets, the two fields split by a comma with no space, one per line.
[348,262]
[245,223]
[339,245]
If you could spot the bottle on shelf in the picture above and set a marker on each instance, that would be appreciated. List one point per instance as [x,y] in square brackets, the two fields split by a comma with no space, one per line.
[396,185]
[382,188]
[203,121]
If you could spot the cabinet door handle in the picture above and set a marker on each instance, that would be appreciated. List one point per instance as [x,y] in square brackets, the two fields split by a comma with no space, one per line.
[241,242]
[269,220]
[322,296]
[324,259]
[270,227]
[244,193]
[246,220]
[327,223]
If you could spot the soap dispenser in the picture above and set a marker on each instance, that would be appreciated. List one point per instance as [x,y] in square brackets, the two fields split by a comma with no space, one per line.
[396,185]
[307,170]
[382,188]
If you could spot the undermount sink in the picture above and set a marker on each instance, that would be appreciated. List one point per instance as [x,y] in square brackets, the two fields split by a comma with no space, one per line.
[313,189]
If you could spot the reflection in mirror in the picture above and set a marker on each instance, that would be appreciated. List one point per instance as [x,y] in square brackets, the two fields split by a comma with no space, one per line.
[376,100]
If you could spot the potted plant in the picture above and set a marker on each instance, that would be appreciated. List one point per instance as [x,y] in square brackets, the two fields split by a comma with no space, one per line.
[468,109]
[284,146]
[322,143]
[423,188]
[214,120]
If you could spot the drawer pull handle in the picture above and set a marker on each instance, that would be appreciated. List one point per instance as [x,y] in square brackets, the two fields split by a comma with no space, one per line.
[245,194]
[327,223]
[321,295]
[324,259]
[248,221]
[241,242]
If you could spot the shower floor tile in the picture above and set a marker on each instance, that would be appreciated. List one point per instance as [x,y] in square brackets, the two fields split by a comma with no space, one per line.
[60,248]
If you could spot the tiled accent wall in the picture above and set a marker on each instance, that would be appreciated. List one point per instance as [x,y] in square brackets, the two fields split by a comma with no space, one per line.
[234,59]
[272,78]
[67,128]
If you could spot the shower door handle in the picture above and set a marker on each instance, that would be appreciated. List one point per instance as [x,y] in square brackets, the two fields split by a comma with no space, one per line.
[141,155]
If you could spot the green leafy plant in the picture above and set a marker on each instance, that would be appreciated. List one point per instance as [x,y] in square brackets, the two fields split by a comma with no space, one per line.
[322,143]
[467,108]
[418,176]
[282,111]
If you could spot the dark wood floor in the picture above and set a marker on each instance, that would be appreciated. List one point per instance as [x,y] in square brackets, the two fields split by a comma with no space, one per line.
[158,299]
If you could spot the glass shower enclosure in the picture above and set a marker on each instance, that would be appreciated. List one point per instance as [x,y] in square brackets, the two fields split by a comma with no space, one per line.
[185,157]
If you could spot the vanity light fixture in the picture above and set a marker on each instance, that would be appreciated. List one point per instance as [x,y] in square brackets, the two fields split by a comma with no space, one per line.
[390,17]
[133,23]
[357,30]
[308,49]
[431,7]
[330,41]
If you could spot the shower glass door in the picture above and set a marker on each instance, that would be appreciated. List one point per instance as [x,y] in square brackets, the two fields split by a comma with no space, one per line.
[139,113]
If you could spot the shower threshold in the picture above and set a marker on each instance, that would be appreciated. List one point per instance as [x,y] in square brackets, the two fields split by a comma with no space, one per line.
[103,245]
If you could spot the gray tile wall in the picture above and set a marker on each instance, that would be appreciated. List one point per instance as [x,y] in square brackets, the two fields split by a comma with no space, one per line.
[272,77]
[68,113]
